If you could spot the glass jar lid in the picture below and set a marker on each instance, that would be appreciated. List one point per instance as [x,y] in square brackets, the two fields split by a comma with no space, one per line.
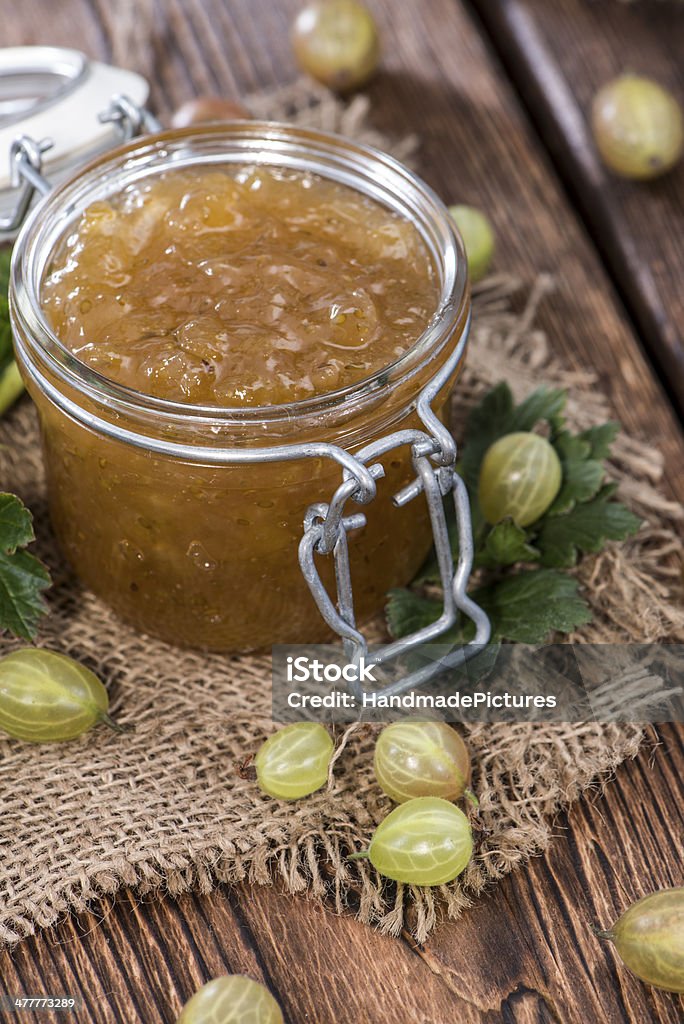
[56,94]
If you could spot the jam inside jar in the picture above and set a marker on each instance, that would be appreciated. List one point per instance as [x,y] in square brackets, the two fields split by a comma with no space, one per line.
[334,291]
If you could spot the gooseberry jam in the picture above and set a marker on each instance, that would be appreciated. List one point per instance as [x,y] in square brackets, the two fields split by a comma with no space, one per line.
[197,296]
[257,287]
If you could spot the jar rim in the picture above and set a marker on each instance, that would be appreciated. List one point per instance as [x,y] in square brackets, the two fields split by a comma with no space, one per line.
[362,167]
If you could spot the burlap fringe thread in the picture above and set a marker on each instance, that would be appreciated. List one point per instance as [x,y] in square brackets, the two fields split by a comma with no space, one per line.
[163,808]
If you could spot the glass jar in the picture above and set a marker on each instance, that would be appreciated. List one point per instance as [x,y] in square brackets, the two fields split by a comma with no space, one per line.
[166,510]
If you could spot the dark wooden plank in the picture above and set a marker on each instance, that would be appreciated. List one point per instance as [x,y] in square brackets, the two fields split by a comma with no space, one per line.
[558,55]
[478,148]
[514,956]
[134,960]
[610,851]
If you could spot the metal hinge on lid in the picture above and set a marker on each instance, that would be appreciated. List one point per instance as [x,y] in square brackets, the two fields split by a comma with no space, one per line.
[26,156]
[58,110]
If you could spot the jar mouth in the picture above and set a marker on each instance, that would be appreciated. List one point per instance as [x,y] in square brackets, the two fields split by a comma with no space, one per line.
[359,166]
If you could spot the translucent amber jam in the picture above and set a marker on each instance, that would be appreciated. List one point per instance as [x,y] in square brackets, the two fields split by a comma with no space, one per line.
[255,287]
[176,310]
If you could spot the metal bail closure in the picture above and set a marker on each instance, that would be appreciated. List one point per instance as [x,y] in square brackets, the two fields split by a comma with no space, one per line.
[131,119]
[26,155]
[326,527]
[26,165]
[85,108]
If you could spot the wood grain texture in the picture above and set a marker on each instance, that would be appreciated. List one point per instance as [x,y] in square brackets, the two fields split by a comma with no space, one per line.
[559,54]
[524,954]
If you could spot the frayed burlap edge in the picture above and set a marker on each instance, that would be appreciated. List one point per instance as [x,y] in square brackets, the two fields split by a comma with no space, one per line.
[164,808]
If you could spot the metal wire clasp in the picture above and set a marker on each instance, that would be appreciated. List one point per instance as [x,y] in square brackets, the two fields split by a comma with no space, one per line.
[26,156]
[26,165]
[132,119]
[433,454]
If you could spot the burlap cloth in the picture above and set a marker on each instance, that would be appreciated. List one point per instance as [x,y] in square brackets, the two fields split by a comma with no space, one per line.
[164,808]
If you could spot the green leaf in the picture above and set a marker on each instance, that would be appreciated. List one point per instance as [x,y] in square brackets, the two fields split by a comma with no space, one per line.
[525,607]
[407,612]
[571,447]
[22,580]
[586,527]
[486,423]
[16,524]
[581,481]
[608,490]
[529,605]
[600,439]
[22,577]
[505,544]
[543,404]
[582,474]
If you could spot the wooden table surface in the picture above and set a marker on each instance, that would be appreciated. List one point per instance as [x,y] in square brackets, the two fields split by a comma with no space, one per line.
[498,91]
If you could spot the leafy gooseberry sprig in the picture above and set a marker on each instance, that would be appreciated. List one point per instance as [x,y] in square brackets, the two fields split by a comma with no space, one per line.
[523,583]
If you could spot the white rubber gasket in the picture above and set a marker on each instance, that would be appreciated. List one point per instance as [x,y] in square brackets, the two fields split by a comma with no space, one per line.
[69,116]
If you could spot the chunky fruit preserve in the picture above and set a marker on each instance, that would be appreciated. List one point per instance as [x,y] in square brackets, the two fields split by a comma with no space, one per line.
[258,287]
[183,305]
